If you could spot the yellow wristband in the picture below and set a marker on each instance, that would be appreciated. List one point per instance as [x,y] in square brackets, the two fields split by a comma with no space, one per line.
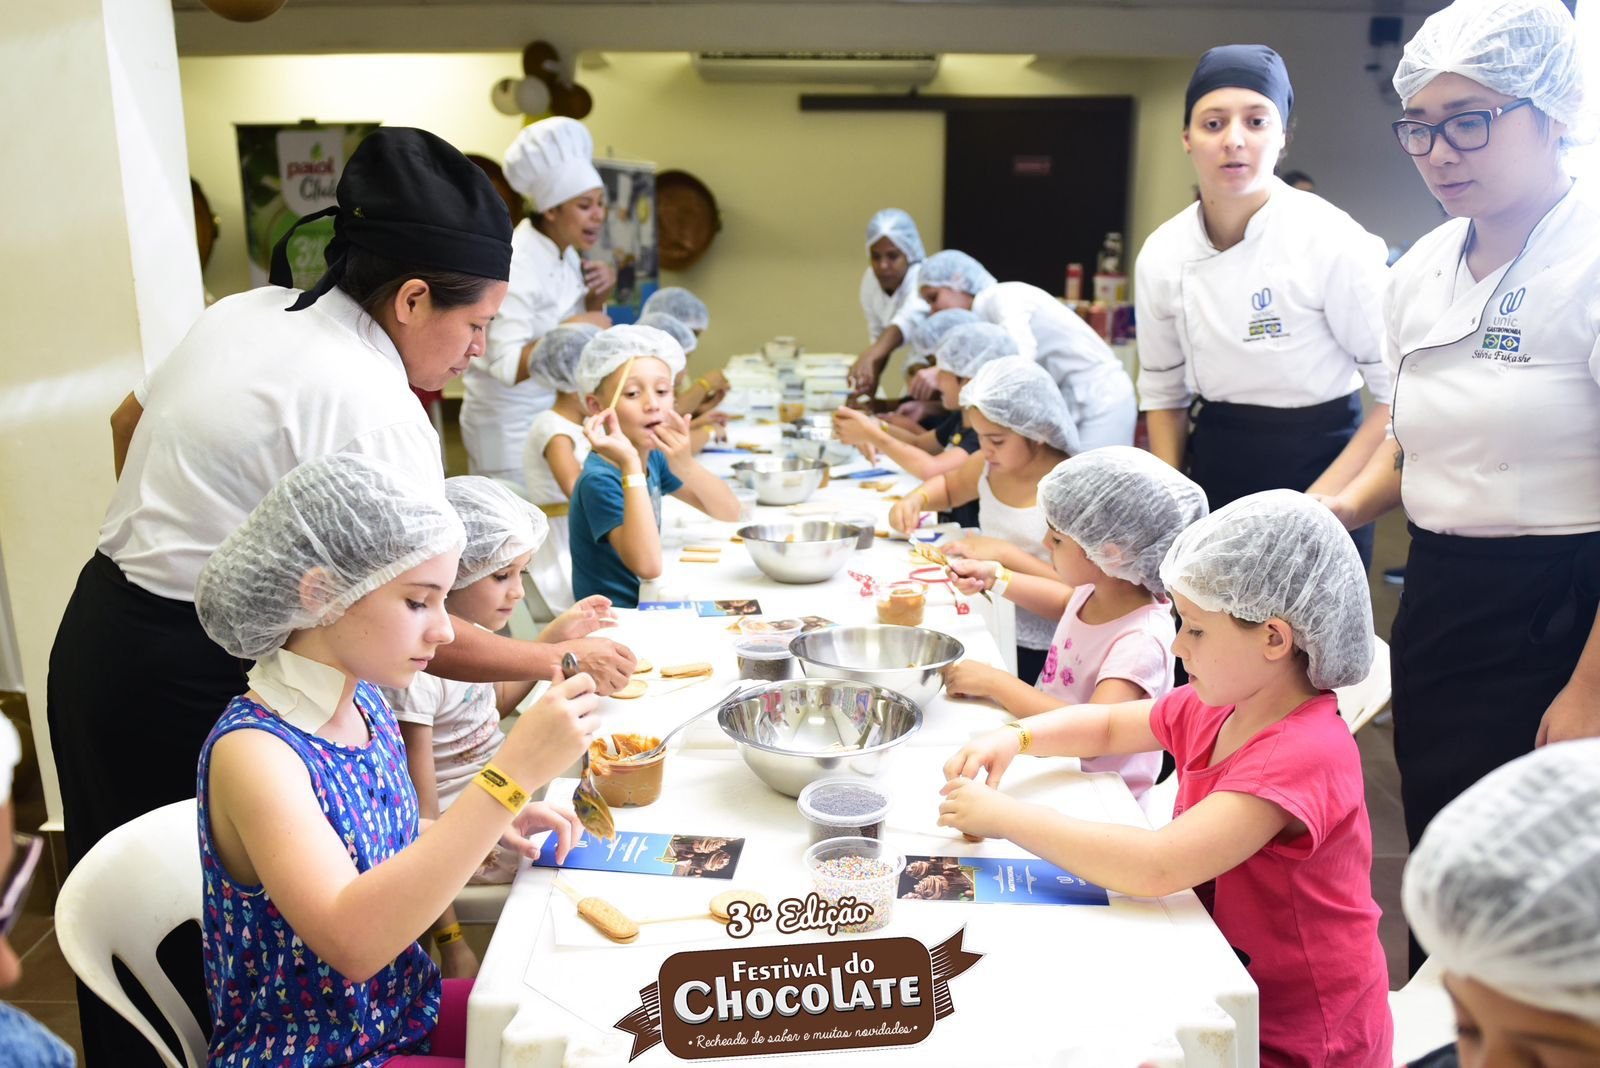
[703,384]
[502,788]
[1027,736]
[449,934]
[635,481]
[1002,579]
[926,500]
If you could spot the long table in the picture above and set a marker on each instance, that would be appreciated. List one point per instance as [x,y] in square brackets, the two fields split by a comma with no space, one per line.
[1138,982]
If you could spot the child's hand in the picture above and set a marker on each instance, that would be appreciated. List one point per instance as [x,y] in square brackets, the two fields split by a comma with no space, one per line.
[975,808]
[968,678]
[980,547]
[553,734]
[907,511]
[458,961]
[606,438]
[582,619]
[537,817]
[672,437]
[991,752]
[973,576]
[855,428]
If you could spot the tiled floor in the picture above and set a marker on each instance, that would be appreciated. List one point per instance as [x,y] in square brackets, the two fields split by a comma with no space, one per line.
[46,990]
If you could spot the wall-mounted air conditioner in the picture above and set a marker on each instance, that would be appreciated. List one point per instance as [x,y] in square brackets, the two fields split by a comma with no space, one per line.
[854,68]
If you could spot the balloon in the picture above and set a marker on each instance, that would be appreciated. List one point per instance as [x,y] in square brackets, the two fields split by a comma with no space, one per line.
[504,96]
[244,10]
[533,96]
[573,101]
[539,60]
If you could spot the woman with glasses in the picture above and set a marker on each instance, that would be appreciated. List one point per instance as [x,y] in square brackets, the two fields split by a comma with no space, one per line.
[1494,332]
[1259,306]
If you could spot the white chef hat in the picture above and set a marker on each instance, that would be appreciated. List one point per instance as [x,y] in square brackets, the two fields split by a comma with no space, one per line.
[552,161]
[10,757]
[615,346]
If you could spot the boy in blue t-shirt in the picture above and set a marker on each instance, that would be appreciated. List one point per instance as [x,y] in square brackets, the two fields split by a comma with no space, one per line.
[641,450]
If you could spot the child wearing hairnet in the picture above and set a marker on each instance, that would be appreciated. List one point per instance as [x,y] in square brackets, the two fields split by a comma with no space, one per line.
[1112,512]
[642,449]
[696,400]
[1270,822]
[1024,430]
[1503,892]
[452,729]
[316,859]
[554,454]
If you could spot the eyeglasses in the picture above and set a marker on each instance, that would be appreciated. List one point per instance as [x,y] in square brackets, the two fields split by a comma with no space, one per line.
[1465,132]
[14,886]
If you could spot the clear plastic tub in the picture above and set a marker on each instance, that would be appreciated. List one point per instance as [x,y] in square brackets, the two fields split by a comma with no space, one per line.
[901,604]
[747,503]
[764,659]
[861,868]
[843,808]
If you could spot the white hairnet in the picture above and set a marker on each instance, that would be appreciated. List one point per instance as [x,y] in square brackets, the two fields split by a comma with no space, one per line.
[353,521]
[681,304]
[1517,47]
[900,228]
[669,325]
[971,345]
[552,161]
[930,331]
[614,346]
[1281,554]
[500,526]
[554,360]
[1021,396]
[10,756]
[956,270]
[1123,507]
[1503,888]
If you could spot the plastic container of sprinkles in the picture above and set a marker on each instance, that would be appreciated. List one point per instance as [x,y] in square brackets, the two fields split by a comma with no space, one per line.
[861,868]
[843,808]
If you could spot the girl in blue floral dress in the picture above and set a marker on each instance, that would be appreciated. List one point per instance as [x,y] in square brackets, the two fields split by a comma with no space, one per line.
[319,875]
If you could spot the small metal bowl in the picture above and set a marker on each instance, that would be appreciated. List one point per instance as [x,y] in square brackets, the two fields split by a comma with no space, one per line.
[907,660]
[780,481]
[823,450]
[793,733]
[800,552]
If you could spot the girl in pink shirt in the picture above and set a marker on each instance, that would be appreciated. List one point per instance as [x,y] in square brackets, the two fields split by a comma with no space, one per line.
[1112,514]
[1270,825]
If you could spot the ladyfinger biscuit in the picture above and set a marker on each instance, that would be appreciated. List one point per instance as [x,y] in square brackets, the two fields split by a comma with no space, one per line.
[721,903]
[686,671]
[608,919]
[635,688]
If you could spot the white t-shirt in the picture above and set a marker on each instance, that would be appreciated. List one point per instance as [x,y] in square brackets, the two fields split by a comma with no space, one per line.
[545,290]
[1024,528]
[1289,317]
[904,307]
[465,722]
[251,392]
[542,487]
[1088,373]
[1497,382]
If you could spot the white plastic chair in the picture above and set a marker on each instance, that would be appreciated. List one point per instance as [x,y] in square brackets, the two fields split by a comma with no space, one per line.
[1360,703]
[1424,1019]
[137,885]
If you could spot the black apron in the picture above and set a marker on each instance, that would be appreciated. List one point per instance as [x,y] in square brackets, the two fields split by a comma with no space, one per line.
[1489,631]
[1239,449]
[133,690]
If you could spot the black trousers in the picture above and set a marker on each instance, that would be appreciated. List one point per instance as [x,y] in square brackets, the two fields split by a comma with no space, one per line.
[1488,632]
[134,689]
[1239,449]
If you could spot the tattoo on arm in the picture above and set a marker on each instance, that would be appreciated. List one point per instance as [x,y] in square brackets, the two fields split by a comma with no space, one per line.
[1399,459]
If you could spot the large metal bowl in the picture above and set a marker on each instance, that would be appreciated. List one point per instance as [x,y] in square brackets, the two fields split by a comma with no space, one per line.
[780,481]
[907,660]
[813,551]
[823,450]
[792,733]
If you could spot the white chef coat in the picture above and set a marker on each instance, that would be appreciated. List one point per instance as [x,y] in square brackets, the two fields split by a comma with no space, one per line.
[1289,317]
[546,289]
[251,392]
[1088,373]
[1497,382]
[904,307]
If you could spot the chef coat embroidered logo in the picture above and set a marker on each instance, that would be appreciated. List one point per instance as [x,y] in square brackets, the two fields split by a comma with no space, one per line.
[1264,323]
[1502,340]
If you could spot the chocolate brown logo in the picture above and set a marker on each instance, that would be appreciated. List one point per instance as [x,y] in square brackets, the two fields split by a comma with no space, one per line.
[756,1001]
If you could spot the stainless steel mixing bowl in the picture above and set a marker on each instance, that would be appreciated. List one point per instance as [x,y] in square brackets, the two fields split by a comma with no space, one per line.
[907,660]
[800,552]
[823,450]
[780,481]
[791,733]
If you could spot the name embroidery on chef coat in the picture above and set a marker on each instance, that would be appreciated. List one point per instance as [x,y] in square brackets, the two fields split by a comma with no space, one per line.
[1502,340]
[1264,320]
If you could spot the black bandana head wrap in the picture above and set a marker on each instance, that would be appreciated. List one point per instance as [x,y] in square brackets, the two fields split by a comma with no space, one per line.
[409,196]
[1242,66]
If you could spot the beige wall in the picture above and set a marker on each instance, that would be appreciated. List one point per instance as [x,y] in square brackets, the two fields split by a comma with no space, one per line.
[795,188]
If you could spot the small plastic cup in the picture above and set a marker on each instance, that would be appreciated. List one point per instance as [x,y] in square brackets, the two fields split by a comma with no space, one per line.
[901,604]
[764,659]
[747,503]
[861,868]
[843,808]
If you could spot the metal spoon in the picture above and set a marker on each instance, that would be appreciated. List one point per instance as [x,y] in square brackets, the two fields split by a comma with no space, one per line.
[639,758]
[592,810]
